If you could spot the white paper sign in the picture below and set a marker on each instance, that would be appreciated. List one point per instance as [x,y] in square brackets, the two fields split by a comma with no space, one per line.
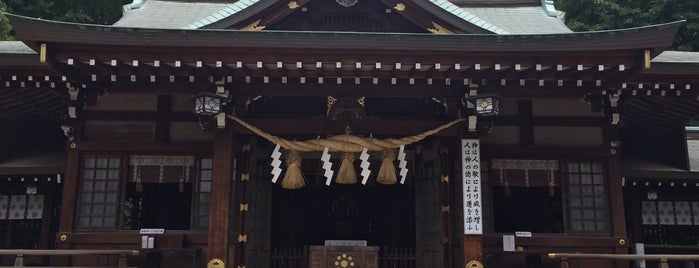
[18,207]
[508,243]
[523,234]
[35,207]
[471,180]
[152,231]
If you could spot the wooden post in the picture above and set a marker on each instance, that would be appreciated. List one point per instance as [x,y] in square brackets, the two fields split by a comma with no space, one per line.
[616,196]
[219,227]
[663,263]
[123,261]
[564,262]
[69,202]
[473,248]
[19,260]
[70,187]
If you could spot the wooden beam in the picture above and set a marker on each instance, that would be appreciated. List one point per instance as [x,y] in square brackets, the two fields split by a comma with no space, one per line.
[526,125]
[100,146]
[162,123]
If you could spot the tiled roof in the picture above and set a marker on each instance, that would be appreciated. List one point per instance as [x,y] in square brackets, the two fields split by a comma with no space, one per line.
[468,16]
[15,47]
[520,20]
[498,19]
[160,14]
[677,57]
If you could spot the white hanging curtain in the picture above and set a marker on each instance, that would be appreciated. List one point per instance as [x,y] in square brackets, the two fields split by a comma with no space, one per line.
[161,168]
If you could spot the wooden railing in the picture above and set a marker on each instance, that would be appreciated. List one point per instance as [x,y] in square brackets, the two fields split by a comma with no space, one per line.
[21,253]
[397,257]
[297,257]
[289,257]
[661,258]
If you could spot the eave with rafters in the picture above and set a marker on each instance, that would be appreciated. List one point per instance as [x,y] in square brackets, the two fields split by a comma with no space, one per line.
[375,65]
[104,56]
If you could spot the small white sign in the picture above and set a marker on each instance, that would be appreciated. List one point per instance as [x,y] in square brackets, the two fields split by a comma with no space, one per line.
[152,231]
[523,234]
[641,250]
[508,243]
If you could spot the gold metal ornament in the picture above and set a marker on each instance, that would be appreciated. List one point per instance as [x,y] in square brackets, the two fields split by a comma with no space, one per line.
[613,151]
[63,237]
[73,145]
[215,263]
[255,26]
[399,7]
[344,261]
[446,209]
[293,5]
[622,242]
[474,264]
[439,29]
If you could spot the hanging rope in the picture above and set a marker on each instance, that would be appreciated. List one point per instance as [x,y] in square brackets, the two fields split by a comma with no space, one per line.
[344,142]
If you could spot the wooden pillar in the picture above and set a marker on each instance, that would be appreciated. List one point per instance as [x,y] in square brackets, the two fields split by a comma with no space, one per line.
[616,196]
[219,221]
[70,187]
[68,202]
[473,248]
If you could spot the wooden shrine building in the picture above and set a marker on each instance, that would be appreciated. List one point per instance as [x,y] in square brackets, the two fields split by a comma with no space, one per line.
[415,133]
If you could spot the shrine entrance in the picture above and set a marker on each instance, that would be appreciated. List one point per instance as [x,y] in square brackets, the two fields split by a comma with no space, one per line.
[382,215]
[282,227]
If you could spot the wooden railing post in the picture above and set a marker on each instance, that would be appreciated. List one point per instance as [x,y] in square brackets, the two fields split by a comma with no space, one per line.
[689,264]
[123,261]
[564,262]
[663,263]
[19,260]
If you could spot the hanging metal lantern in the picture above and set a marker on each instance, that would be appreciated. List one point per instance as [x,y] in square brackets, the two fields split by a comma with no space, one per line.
[487,105]
[208,104]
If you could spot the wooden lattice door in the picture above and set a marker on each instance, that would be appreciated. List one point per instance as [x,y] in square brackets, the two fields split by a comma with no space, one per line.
[258,195]
[428,205]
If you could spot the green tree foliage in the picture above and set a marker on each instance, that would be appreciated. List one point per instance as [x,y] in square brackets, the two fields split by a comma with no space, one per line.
[81,11]
[5,28]
[593,15]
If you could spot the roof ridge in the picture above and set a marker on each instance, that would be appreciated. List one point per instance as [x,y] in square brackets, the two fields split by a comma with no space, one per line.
[468,16]
[222,14]
[550,8]
[136,4]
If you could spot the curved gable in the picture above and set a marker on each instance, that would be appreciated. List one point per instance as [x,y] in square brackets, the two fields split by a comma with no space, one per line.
[407,16]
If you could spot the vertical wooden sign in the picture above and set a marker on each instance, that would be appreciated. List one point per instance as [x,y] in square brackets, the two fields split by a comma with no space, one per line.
[471,180]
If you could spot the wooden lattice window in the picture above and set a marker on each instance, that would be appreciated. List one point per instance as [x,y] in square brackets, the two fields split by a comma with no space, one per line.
[97,199]
[587,197]
[204,193]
